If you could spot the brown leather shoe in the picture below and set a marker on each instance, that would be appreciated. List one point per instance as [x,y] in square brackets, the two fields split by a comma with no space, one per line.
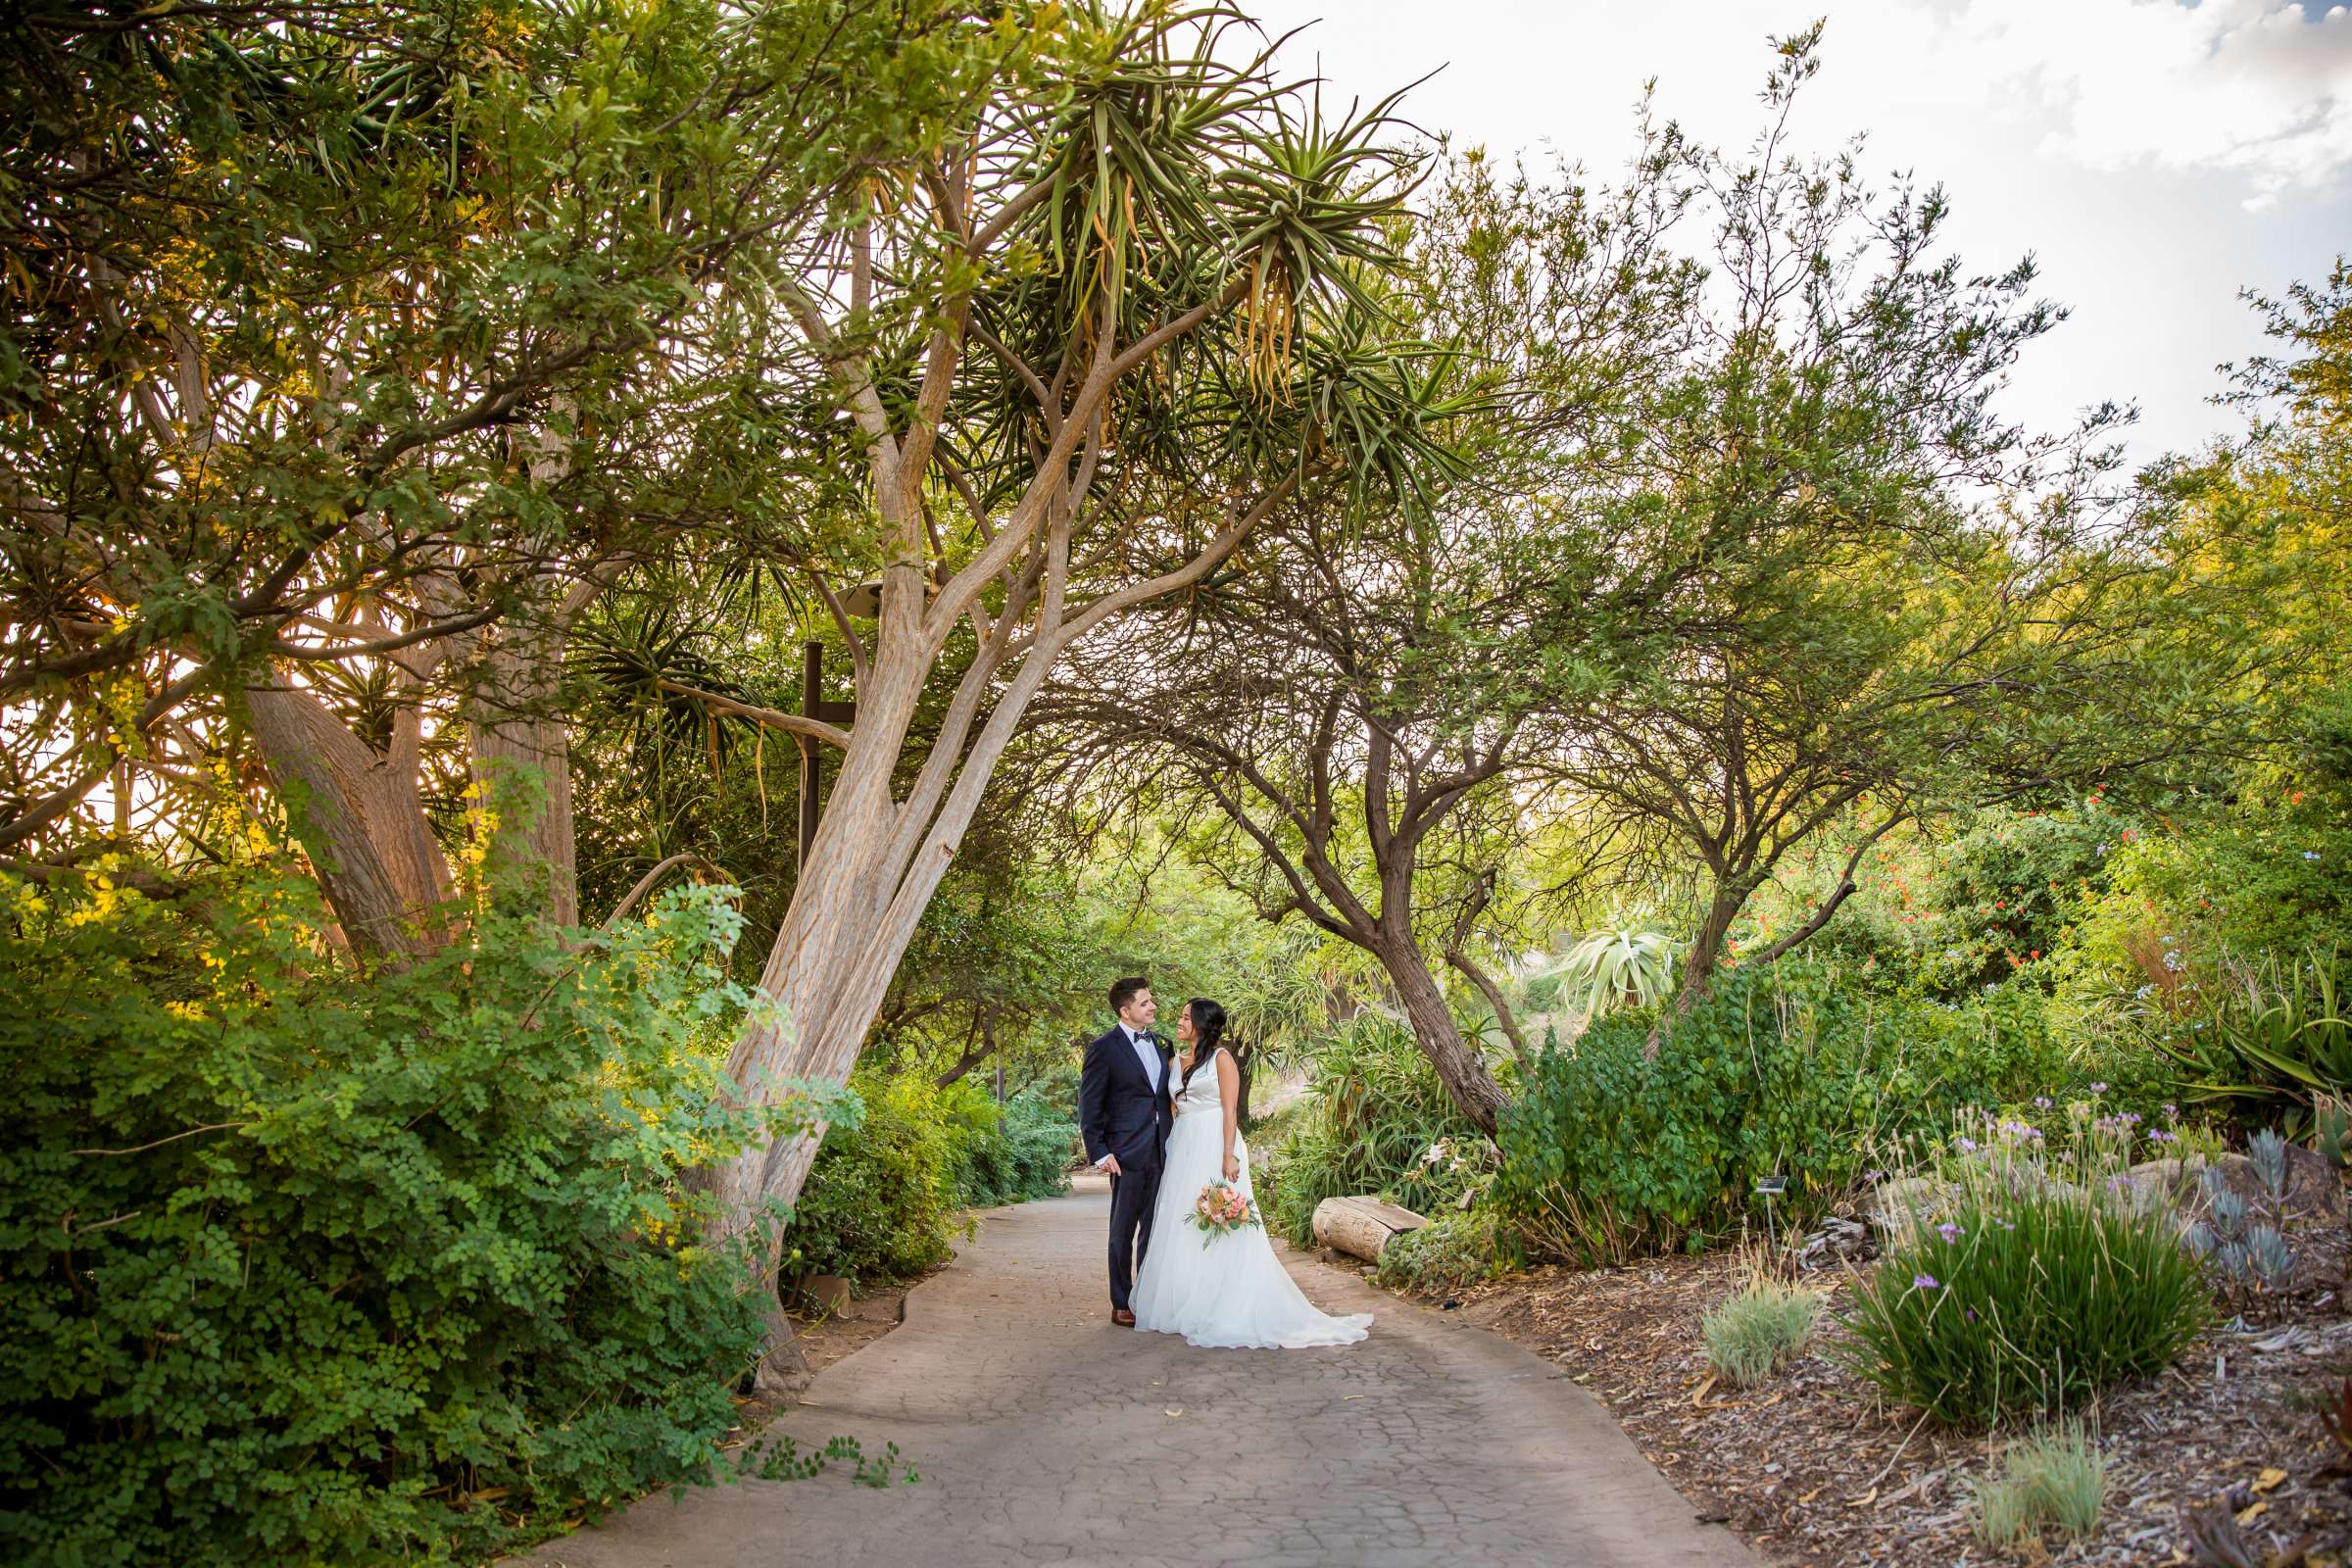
[1122,1317]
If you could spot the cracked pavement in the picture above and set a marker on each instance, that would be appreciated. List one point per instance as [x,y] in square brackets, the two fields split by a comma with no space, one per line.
[1044,1434]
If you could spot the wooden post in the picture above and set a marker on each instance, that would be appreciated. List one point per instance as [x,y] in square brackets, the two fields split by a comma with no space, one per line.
[813,655]
[814,706]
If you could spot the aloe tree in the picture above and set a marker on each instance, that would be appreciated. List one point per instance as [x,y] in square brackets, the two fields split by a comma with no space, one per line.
[1618,966]
[1085,344]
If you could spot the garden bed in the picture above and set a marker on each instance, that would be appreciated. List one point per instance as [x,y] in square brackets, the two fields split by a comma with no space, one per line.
[1813,1469]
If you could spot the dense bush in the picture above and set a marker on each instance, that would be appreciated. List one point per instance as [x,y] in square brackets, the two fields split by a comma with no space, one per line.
[1794,1070]
[883,1199]
[294,1260]
[1010,1153]
[880,1201]
[1378,1115]
[1456,1249]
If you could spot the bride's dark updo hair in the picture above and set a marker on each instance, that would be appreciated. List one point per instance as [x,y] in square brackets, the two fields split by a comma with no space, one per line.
[1208,1030]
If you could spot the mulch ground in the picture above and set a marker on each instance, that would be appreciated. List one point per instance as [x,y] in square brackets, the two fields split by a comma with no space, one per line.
[1814,1469]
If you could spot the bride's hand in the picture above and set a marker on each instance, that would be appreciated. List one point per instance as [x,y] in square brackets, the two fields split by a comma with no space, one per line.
[1233,1169]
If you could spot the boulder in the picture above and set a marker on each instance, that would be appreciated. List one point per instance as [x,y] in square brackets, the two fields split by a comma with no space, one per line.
[1901,1205]
[2315,1190]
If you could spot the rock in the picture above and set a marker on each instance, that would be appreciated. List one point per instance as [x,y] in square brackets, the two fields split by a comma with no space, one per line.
[1838,1242]
[2315,1191]
[1902,1205]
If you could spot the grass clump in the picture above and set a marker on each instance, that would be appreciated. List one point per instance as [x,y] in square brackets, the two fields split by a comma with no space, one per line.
[2046,1282]
[1759,1329]
[2055,1477]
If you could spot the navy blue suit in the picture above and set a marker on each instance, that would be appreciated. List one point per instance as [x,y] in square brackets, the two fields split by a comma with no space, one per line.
[1120,1113]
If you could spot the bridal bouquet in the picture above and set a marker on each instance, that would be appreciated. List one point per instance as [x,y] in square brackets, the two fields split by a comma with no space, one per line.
[1222,1207]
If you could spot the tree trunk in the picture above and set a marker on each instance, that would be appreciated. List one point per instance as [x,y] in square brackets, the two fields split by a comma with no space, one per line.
[1463,1069]
[1698,968]
[522,763]
[357,814]
[1245,1068]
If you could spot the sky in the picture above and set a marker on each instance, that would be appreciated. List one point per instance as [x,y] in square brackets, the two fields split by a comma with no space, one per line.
[2153,156]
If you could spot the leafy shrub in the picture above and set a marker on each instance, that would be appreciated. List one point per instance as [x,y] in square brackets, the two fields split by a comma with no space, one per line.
[2038,1289]
[1378,1110]
[1455,1249]
[1793,1069]
[1759,1329]
[292,1258]
[1008,1154]
[880,1201]
[2057,1476]
[883,1196]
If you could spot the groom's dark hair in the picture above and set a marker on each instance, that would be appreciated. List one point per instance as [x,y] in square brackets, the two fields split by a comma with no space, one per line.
[1123,990]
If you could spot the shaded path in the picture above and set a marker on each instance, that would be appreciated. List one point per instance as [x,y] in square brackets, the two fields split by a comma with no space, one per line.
[1046,1434]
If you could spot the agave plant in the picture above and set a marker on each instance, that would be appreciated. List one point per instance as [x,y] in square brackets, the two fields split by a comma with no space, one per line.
[2279,1037]
[1617,966]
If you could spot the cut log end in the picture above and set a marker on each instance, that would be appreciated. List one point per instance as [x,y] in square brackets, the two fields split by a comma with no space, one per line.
[1361,1226]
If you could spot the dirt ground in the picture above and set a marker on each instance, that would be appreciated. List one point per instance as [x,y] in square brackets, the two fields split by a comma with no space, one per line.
[1813,1470]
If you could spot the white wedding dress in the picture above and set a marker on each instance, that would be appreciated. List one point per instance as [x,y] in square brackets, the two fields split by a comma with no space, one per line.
[1221,1293]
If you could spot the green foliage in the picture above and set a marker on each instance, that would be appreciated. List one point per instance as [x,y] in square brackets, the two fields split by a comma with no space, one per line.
[1793,1070]
[293,1258]
[1379,1113]
[1007,1156]
[2057,1476]
[881,1199]
[1618,967]
[2275,1041]
[2032,1296]
[1760,1328]
[1456,1249]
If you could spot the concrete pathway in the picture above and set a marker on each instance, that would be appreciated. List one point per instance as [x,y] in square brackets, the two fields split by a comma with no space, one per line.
[1045,1435]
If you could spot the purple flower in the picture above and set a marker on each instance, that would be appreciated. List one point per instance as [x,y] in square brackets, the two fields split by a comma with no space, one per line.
[2098,1089]
[1972,1314]
[1924,1282]
[2160,1135]
[1968,1146]
[1949,1232]
[2042,1102]
[2171,1110]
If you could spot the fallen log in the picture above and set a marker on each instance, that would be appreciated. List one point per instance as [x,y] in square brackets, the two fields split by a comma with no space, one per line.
[1361,1226]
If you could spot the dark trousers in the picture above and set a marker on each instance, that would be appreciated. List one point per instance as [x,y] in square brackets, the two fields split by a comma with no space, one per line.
[1131,1199]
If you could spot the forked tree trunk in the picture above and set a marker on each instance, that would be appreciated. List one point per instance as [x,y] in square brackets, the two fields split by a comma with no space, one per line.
[359,815]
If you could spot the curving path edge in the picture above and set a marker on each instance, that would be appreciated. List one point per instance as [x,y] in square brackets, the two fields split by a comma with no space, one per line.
[1045,1435]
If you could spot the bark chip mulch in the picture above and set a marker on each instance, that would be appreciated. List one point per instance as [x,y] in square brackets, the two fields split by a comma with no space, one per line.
[1814,1469]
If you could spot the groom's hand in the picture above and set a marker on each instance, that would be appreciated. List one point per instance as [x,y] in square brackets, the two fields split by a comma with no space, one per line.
[1110,1164]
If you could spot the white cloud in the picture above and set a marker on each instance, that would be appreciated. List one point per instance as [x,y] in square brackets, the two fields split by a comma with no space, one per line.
[2154,157]
[2246,87]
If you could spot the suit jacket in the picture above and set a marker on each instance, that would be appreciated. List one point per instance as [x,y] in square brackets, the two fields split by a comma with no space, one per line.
[1119,1112]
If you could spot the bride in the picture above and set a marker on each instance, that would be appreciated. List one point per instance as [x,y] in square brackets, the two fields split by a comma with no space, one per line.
[1220,1292]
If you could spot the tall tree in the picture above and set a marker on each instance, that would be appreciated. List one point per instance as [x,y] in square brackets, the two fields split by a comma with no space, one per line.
[1087,342]
[1381,679]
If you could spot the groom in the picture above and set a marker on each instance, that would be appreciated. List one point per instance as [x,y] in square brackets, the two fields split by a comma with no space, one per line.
[1124,1115]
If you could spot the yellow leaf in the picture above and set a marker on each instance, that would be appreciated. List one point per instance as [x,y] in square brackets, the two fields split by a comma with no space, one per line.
[1699,1395]
[2269,1479]
[2246,1515]
[1176,1412]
